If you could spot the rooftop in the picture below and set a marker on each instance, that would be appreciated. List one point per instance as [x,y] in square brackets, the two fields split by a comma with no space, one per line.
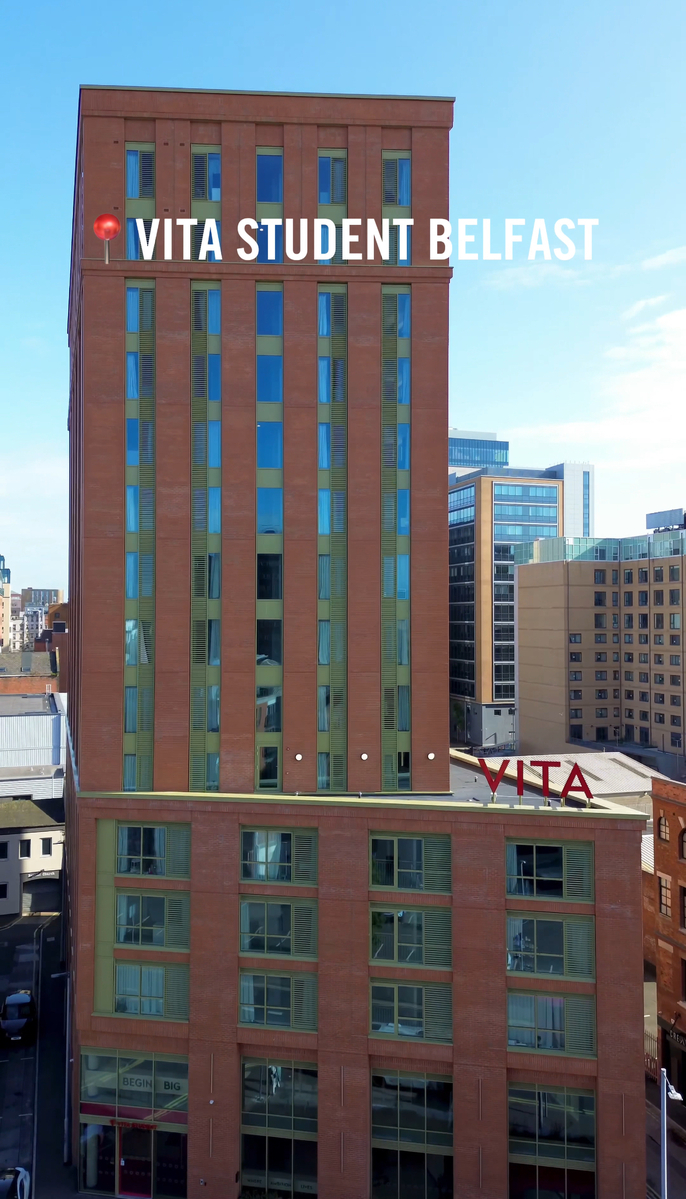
[29,813]
[25,662]
[27,705]
[609,775]
[225,91]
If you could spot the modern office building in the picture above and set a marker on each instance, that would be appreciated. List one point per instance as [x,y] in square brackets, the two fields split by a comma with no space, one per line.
[599,645]
[258,607]
[41,596]
[490,511]
[468,450]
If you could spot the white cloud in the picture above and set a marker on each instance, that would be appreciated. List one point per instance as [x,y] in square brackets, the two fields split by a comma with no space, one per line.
[651,302]
[34,517]
[669,258]
[636,442]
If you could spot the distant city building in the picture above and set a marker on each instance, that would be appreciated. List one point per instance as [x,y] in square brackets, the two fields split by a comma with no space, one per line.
[25,672]
[35,622]
[490,511]
[469,450]
[599,645]
[15,602]
[42,596]
[18,634]
[31,845]
[33,730]
[667,910]
[5,604]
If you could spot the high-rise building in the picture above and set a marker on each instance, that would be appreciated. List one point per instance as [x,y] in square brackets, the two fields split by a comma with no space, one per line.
[468,450]
[599,645]
[5,604]
[41,596]
[258,610]
[490,511]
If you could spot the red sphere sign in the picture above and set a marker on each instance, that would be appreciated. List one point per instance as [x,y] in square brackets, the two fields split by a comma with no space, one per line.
[106,227]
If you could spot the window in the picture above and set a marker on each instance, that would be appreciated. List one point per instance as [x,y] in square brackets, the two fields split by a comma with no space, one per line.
[153,920]
[278,1001]
[411,863]
[269,510]
[547,871]
[600,675]
[403,512]
[25,848]
[417,1108]
[268,709]
[270,856]
[403,434]
[140,174]
[575,676]
[675,659]
[546,945]
[324,512]
[575,638]
[323,771]
[270,439]
[154,850]
[552,1023]
[575,713]
[601,638]
[332,179]
[600,599]
[676,740]
[269,313]
[324,445]
[600,620]
[141,990]
[269,575]
[575,695]
[576,657]
[599,576]
[601,713]
[557,1126]
[279,928]
[675,721]
[628,620]
[269,179]
[659,718]
[280,1095]
[323,708]
[665,895]
[658,574]
[324,643]
[576,732]
[675,639]
[268,643]
[674,621]
[412,938]
[3,850]
[269,377]
[602,657]
[421,1012]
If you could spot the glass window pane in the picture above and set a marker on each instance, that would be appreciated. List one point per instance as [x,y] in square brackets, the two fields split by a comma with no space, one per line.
[410,863]
[323,771]
[270,178]
[403,512]
[403,576]
[262,239]
[269,510]
[324,379]
[268,709]
[324,576]
[324,180]
[324,643]
[132,310]
[324,312]
[269,576]
[324,522]
[383,936]
[214,302]
[403,447]
[214,377]
[323,693]
[132,178]
[324,446]
[213,642]
[131,375]
[132,575]
[132,442]
[269,378]
[131,509]
[383,862]
[213,708]
[269,643]
[269,441]
[269,313]
[403,380]
[403,315]
[214,509]
[214,178]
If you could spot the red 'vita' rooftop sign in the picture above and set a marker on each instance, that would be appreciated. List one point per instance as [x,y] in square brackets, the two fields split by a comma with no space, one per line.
[546,767]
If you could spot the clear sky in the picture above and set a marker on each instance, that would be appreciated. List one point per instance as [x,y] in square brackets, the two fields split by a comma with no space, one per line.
[573,110]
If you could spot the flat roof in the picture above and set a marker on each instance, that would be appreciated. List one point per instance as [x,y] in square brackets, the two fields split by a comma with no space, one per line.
[31,813]
[27,705]
[230,91]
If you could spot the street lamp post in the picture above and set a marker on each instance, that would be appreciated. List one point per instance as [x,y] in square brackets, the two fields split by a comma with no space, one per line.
[667,1091]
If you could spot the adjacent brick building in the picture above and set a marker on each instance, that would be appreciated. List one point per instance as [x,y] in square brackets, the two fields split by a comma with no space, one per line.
[669,825]
[289,942]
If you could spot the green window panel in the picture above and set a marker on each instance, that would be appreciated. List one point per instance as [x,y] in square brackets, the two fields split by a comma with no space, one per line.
[278,927]
[151,991]
[139,696]
[545,945]
[205,541]
[395,605]
[405,863]
[422,1011]
[551,1023]
[160,850]
[411,936]
[150,919]
[278,1000]
[279,856]
[548,870]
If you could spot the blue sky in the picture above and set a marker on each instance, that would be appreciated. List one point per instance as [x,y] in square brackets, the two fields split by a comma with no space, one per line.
[561,110]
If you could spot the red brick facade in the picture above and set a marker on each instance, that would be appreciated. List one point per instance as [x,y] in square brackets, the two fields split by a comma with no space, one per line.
[669,827]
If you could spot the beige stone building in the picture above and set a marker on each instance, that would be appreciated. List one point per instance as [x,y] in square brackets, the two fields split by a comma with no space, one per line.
[5,605]
[599,646]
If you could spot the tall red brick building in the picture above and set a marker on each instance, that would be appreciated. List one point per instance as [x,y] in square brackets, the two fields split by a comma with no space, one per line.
[301,966]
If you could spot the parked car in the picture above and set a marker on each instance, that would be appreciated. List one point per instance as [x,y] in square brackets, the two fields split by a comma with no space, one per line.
[18,1017]
[15,1183]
